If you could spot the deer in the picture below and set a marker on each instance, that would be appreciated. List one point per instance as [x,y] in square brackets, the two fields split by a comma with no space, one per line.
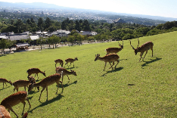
[4,81]
[35,71]
[21,83]
[143,48]
[44,83]
[65,72]
[114,49]
[15,99]
[59,61]
[70,60]
[108,58]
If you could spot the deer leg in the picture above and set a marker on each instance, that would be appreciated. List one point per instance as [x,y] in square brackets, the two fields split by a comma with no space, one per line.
[145,55]
[25,88]
[10,109]
[141,55]
[23,107]
[62,86]
[104,66]
[111,65]
[47,92]
[3,84]
[28,103]
[41,93]
[117,63]
[68,78]
[55,64]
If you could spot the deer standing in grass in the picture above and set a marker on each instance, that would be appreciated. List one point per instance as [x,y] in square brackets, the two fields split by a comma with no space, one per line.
[65,72]
[59,61]
[70,60]
[114,49]
[108,58]
[44,83]
[21,83]
[144,48]
[4,81]
[15,99]
[35,71]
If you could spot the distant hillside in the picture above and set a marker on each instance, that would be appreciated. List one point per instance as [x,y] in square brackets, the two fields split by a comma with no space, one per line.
[40,5]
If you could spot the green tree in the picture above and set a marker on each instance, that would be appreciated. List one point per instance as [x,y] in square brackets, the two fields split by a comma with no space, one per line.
[40,24]
[4,43]
[47,23]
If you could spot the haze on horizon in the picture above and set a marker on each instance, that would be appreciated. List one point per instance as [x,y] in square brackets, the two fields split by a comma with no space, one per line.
[164,8]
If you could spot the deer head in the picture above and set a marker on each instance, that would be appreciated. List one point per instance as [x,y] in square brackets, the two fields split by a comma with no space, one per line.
[135,49]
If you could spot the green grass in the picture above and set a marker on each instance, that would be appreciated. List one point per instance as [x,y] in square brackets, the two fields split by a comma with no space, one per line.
[97,93]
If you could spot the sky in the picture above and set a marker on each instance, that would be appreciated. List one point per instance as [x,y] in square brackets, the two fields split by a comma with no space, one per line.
[164,8]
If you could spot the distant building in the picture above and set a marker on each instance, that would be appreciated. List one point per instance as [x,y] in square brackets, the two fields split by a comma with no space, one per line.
[119,20]
[88,33]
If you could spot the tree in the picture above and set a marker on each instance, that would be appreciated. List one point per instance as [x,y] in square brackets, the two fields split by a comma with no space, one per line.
[40,24]
[4,43]
[47,23]
[77,26]
[86,26]
[19,25]
[53,40]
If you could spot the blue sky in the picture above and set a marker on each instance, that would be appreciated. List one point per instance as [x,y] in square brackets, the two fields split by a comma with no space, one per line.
[165,8]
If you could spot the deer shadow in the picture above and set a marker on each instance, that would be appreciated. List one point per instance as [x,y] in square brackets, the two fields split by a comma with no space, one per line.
[58,97]
[4,88]
[111,71]
[68,84]
[152,60]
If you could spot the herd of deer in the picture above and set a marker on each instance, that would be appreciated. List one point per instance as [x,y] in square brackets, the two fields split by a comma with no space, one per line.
[14,99]
[21,96]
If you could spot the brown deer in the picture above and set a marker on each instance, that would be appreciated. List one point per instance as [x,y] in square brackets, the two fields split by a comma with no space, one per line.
[65,72]
[59,61]
[108,58]
[35,71]
[15,99]
[70,60]
[4,81]
[144,48]
[21,83]
[114,49]
[44,83]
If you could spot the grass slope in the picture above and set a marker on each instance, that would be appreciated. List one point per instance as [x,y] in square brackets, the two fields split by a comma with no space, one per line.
[97,93]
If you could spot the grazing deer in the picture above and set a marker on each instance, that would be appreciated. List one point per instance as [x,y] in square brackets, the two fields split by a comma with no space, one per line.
[108,58]
[35,71]
[59,61]
[4,113]
[65,72]
[70,60]
[21,83]
[114,49]
[4,81]
[44,83]
[15,99]
[144,48]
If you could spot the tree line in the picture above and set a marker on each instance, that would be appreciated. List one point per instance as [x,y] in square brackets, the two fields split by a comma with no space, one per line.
[117,31]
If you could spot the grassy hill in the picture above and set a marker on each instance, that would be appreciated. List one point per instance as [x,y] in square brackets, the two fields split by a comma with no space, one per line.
[97,93]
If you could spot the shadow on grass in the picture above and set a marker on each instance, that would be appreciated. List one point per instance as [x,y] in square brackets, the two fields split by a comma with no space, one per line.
[68,84]
[115,70]
[4,88]
[58,97]
[152,60]
[122,59]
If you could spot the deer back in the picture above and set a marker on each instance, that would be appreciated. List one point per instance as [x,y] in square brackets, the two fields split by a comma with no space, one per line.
[21,83]
[146,46]
[14,99]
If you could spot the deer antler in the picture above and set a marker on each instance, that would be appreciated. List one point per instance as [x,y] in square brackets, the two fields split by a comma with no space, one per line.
[131,45]
[138,43]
